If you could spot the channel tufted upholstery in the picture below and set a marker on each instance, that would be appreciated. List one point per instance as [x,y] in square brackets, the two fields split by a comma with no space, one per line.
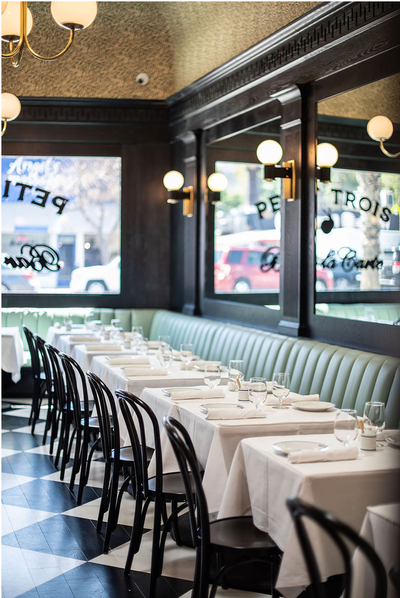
[347,377]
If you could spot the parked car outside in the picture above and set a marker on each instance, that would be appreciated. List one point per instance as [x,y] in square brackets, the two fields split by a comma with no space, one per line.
[97,279]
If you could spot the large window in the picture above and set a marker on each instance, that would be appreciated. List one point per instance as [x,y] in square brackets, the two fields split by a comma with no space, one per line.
[61,224]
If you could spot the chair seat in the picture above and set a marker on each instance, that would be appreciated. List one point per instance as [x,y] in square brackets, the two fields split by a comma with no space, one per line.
[172,486]
[240,533]
[125,454]
[94,422]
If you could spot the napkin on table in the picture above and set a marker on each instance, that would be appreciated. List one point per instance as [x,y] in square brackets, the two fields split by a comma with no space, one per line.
[153,344]
[103,347]
[126,361]
[199,363]
[230,413]
[345,453]
[145,372]
[192,393]
[292,396]
[80,338]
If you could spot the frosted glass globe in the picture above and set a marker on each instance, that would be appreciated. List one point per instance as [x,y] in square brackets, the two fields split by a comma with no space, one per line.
[11,22]
[3,6]
[10,106]
[380,128]
[217,182]
[327,155]
[74,15]
[173,180]
[269,152]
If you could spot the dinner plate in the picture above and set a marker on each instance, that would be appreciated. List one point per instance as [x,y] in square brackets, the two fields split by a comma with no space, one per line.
[393,440]
[167,391]
[205,407]
[312,405]
[292,446]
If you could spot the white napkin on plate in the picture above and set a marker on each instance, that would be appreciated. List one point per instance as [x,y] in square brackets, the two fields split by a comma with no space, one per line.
[153,344]
[127,361]
[192,393]
[145,372]
[103,347]
[199,363]
[81,338]
[230,413]
[337,454]
[293,396]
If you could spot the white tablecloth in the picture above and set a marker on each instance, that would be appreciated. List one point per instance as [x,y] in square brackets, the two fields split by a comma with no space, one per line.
[12,352]
[55,333]
[381,529]
[260,481]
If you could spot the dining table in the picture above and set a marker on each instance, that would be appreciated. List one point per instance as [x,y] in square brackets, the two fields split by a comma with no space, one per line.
[260,480]
[54,333]
[12,352]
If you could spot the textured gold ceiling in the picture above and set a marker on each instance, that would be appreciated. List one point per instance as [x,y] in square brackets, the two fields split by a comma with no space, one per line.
[174,42]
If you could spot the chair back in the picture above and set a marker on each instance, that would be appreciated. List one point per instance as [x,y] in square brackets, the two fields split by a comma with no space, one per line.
[40,344]
[338,532]
[105,406]
[58,378]
[187,460]
[33,350]
[76,390]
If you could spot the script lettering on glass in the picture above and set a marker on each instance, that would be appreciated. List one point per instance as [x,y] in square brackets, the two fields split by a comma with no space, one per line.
[349,260]
[37,257]
[270,260]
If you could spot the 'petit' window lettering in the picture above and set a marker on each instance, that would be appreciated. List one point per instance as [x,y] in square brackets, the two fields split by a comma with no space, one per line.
[41,196]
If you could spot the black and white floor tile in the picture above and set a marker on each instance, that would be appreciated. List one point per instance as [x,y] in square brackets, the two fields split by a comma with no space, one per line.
[50,545]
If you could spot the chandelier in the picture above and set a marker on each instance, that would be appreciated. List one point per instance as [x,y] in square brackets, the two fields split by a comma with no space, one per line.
[17,23]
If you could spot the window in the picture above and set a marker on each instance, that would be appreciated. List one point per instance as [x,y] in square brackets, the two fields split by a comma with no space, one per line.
[61,230]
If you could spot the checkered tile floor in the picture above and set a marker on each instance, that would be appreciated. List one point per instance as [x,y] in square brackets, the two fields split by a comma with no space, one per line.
[50,545]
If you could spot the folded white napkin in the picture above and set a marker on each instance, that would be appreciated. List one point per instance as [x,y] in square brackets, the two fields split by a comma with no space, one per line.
[198,363]
[230,413]
[153,344]
[127,361]
[292,396]
[80,338]
[103,347]
[145,372]
[338,454]
[192,393]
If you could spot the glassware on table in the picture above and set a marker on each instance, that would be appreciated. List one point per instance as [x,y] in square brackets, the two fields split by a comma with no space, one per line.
[164,340]
[186,351]
[142,346]
[165,356]
[212,375]
[115,323]
[374,418]
[280,388]
[346,426]
[258,391]
[236,372]
[137,331]
[118,334]
[88,318]
[68,323]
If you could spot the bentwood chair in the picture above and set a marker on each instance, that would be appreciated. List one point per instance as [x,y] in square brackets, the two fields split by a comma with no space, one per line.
[236,536]
[160,489]
[49,385]
[39,381]
[339,532]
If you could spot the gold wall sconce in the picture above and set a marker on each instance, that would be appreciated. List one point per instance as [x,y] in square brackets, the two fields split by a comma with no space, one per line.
[269,153]
[10,109]
[216,183]
[17,22]
[173,181]
[380,128]
[327,156]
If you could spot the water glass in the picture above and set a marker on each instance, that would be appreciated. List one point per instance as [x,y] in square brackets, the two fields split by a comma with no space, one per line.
[186,352]
[258,391]
[115,323]
[164,340]
[212,375]
[165,357]
[346,426]
[68,323]
[280,387]
[374,417]
[235,373]
[118,334]
[142,346]
[137,331]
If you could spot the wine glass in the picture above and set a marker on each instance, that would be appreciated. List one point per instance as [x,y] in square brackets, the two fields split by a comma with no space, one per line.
[118,334]
[346,426]
[186,351]
[137,331]
[142,346]
[258,391]
[374,417]
[235,372]
[164,339]
[280,387]
[165,357]
[212,375]
[115,323]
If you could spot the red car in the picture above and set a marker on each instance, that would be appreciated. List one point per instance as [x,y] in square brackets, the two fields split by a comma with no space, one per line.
[245,269]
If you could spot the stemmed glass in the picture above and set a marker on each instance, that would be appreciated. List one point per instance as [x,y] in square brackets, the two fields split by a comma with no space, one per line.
[235,373]
[280,387]
[164,339]
[137,335]
[374,418]
[212,375]
[142,346]
[186,351]
[258,391]
[165,357]
[346,426]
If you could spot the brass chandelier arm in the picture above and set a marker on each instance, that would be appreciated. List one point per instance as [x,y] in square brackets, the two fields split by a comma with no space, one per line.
[32,51]
[388,154]
[13,52]
[4,127]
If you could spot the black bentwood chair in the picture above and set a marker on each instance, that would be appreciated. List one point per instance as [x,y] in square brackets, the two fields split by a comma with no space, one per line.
[338,532]
[234,536]
[61,410]
[160,489]
[49,382]
[39,381]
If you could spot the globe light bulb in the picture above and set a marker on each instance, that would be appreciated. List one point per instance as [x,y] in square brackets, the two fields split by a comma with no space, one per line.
[11,22]
[380,128]
[74,15]
[10,106]
[327,155]
[217,182]
[269,152]
[173,180]
[3,6]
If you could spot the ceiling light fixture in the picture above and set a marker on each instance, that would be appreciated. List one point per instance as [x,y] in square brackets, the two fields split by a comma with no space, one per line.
[327,156]
[269,153]
[17,22]
[380,128]
[173,181]
[10,109]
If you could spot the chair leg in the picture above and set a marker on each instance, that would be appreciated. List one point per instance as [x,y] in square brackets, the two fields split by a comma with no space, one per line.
[67,445]
[61,439]
[175,525]
[104,497]
[54,429]
[137,530]
[49,418]
[111,508]
[84,471]
[77,459]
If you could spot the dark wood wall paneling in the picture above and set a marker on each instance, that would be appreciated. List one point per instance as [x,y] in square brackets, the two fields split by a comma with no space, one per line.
[138,132]
[335,48]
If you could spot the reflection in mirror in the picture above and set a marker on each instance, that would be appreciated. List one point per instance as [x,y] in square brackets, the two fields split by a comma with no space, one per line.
[247,227]
[357,216]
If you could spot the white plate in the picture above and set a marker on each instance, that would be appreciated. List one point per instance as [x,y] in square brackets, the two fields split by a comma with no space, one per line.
[292,446]
[167,391]
[312,405]
[205,407]
[393,441]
